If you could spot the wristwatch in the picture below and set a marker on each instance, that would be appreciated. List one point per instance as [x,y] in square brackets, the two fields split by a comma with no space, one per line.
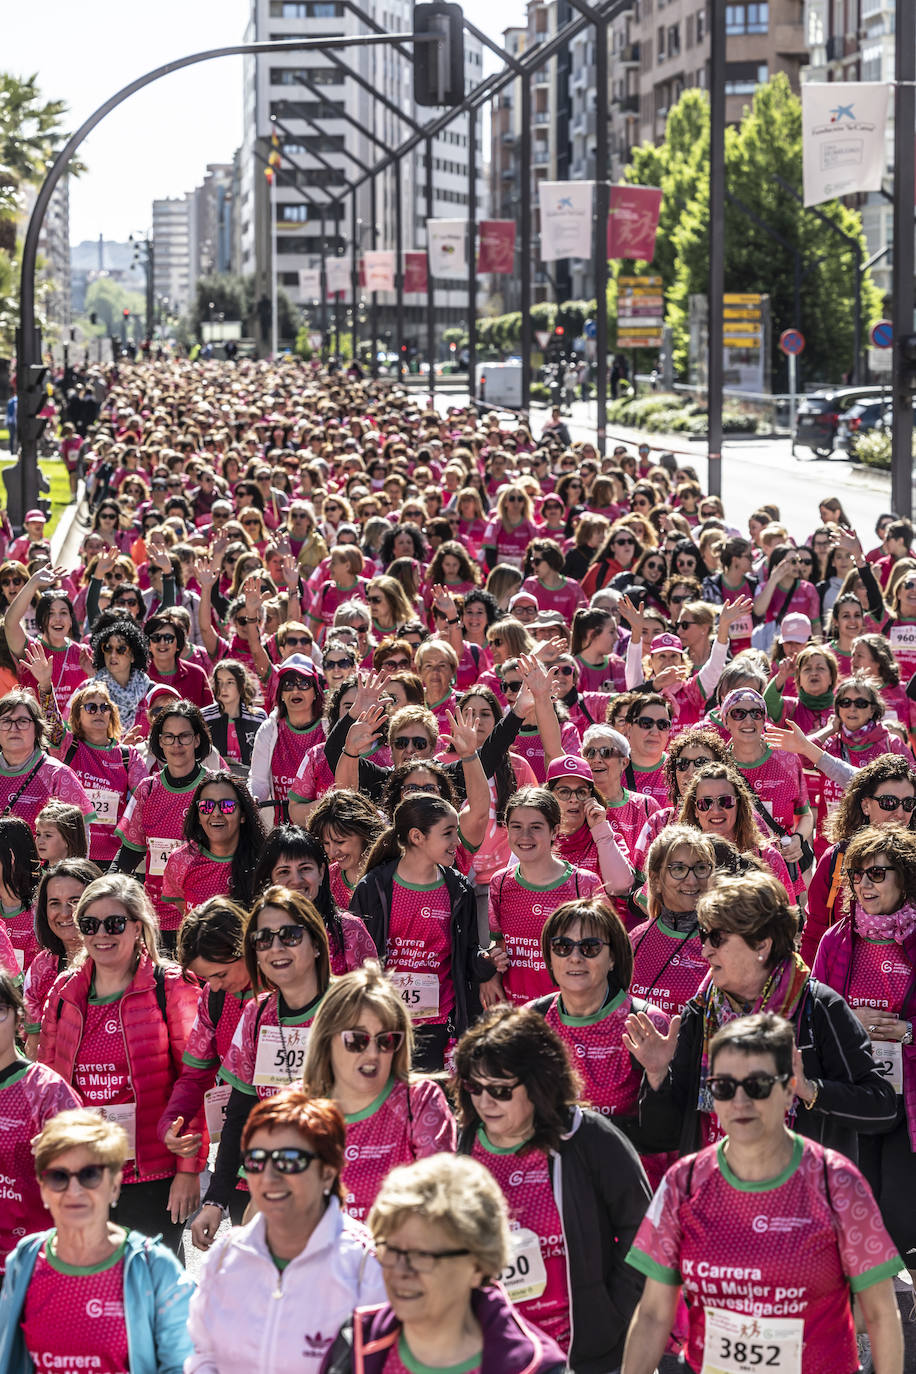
[908,1034]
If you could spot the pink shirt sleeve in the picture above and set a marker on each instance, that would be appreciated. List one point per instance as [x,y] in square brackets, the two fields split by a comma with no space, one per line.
[434,1129]
[176,872]
[358,943]
[130,827]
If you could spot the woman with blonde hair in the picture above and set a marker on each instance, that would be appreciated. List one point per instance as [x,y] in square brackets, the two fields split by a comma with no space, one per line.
[359,1054]
[511,529]
[388,604]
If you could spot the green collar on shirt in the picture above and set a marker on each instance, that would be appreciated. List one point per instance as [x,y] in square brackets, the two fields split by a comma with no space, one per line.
[486,1144]
[351,1117]
[607,1009]
[30,763]
[763,1185]
[419,887]
[415,1367]
[63,1268]
[545,887]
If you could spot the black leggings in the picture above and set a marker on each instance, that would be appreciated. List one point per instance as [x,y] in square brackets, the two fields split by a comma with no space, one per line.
[144,1207]
[889,1165]
[429,1048]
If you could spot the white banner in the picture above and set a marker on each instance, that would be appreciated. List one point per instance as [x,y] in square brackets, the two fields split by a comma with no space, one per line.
[843,129]
[310,282]
[379,269]
[447,240]
[338,270]
[566,219]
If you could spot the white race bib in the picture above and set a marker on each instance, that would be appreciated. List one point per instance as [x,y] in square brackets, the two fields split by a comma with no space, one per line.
[525,1276]
[216,1100]
[419,992]
[903,636]
[105,803]
[888,1057]
[741,628]
[158,851]
[123,1114]
[280,1057]
[20,957]
[739,1344]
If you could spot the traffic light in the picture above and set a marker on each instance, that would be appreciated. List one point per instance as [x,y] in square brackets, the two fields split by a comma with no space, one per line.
[559,331]
[126,313]
[30,425]
[438,68]
[907,347]
[93,317]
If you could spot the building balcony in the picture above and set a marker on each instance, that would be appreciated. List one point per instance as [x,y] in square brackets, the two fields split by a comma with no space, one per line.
[542,116]
[583,124]
[540,156]
[509,138]
[836,48]
[627,104]
[629,55]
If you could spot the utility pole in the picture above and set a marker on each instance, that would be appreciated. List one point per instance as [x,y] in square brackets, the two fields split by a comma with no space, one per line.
[715,366]
[904,370]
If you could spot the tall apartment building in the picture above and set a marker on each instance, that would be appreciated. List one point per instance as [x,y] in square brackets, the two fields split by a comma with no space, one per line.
[174,248]
[53,282]
[310,95]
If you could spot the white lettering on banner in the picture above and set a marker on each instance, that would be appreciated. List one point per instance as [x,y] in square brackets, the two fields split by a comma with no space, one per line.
[736,1343]
[123,1114]
[418,991]
[281,1055]
[216,1100]
[159,850]
[888,1057]
[105,804]
[525,1276]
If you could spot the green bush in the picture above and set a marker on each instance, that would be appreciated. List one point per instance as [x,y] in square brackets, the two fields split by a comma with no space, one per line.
[873,449]
[540,392]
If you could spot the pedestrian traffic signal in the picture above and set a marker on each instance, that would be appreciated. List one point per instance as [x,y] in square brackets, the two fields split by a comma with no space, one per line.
[31,424]
[438,68]
[559,331]
[126,313]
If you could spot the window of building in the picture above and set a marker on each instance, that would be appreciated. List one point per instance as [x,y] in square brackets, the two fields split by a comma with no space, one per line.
[871,62]
[688,32]
[742,78]
[747,18]
[701,25]
[294,76]
[660,45]
[674,40]
[305,9]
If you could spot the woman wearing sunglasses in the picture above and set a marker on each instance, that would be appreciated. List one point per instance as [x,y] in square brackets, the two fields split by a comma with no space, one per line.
[585,838]
[688,752]
[574,1186]
[545,580]
[718,801]
[115,1027]
[300,1247]
[224,835]
[92,1292]
[120,655]
[618,553]
[359,1054]
[286,954]
[285,737]
[748,931]
[167,642]
[765,1178]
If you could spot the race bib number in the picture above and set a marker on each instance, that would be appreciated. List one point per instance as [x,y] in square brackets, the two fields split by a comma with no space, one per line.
[216,1100]
[281,1055]
[105,803]
[158,851]
[903,636]
[20,957]
[419,992]
[123,1114]
[888,1057]
[738,1344]
[741,628]
[525,1276]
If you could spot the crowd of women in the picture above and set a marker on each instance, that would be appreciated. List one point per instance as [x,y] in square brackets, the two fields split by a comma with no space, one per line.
[444,874]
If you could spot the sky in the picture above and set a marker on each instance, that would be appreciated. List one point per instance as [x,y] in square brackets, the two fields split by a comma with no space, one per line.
[158,143]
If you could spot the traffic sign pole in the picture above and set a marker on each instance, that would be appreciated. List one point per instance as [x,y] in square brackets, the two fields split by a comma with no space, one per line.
[792,342]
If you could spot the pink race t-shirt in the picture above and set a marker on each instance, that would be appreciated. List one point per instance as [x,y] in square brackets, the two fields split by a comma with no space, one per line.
[627,818]
[66,673]
[650,782]
[358,945]
[30,1095]
[612,1078]
[519,909]
[73,1318]
[386,1134]
[879,974]
[668,965]
[107,784]
[50,780]
[420,948]
[101,1070]
[267,1053]
[193,875]
[153,821]
[727,1243]
[567,598]
[19,927]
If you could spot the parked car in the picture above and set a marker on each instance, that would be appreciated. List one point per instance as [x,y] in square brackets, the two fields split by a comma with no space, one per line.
[819,414]
[861,418]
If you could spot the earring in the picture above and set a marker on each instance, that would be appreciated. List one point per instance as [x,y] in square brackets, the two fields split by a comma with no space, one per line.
[760,958]
[327,1192]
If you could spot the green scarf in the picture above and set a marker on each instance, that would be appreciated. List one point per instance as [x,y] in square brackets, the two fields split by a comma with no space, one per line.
[824,702]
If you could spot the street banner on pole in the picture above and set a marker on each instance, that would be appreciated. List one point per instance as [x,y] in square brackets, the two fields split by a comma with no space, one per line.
[338,270]
[310,282]
[843,137]
[416,277]
[497,246]
[447,240]
[633,222]
[566,219]
[379,269]
[640,312]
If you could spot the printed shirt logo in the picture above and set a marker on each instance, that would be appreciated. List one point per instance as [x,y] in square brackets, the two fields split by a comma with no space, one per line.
[779,1225]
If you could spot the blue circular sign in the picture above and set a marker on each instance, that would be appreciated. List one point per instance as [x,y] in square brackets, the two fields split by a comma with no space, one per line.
[882,334]
[591,329]
[792,341]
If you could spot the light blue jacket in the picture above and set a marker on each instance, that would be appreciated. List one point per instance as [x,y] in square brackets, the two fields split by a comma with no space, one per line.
[156,1295]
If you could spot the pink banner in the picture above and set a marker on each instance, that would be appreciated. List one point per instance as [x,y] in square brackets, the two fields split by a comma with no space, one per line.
[633,222]
[497,246]
[362,274]
[415,275]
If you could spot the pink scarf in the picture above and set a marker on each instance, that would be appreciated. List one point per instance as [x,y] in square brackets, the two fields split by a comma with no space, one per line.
[897,925]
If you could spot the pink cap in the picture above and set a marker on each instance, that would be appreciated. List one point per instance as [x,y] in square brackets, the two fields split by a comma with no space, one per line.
[36,515]
[795,628]
[665,641]
[569,766]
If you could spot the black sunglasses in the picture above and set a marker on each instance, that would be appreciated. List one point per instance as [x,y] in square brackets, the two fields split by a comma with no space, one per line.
[289,936]
[288,1160]
[337,662]
[500,1092]
[889,803]
[875,873]
[404,741]
[358,1041]
[758,1086]
[858,703]
[112,925]
[58,1180]
[682,764]
[590,947]
[742,712]
[712,936]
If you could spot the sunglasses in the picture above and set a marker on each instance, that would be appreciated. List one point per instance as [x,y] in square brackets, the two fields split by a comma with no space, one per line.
[289,936]
[742,712]
[909,586]
[295,682]
[514,686]
[725,803]
[565,669]
[701,869]
[376,600]
[404,742]
[162,638]
[679,601]
[285,1161]
[857,703]
[515,500]
[889,803]
[58,1180]
[652,723]
[398,665]
[497,643]
[500,1092]
[12,581]
[601,751]
[297,643]
[682,765]
[112,925]
[96,708]
[589,948]
[757,1086]
[358,1041]
[615,543]
[227,805]
[714,936]
[875,873]
[336,662]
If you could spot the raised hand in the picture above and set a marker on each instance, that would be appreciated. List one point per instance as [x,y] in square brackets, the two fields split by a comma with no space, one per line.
[368,693]
[848,540]
[251,590]
[557,645]
[49,577]
[649,1046]
[158,557]
[104,565]
[461,738]
[734,610]
[363,734]
[36,660]
[86,661]
[534,675]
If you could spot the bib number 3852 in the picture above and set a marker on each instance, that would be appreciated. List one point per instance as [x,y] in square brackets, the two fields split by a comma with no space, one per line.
[740,1344]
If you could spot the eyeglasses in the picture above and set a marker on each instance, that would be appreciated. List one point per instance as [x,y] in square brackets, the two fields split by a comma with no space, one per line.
[289,936]
[244,620]
[682,765]
[96,708]
[12,581]
[405,741]
[742,712]
[112,925]
[652,723]
[360,629]
[714,936]
[889,803]
[398,665]
[701,869]
[186,737]
[227,805]
[162,638]
[621,542]
[297,683]
[875,873]
[758,1086]
[497,643]
[16,723]
[589,948]
[415,1261]
[857,703]
[358,1041]
[565,669]
[725,803]
[500,1092]
[58,1180]
[288,1160]
[572,793]
[334,663]
[114,648]
[295,642]
[254,523]
[601,751]
[909,586]
[679,601]
[376,600]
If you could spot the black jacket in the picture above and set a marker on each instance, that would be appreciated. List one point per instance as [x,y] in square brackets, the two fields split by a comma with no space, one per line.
[246,727]
[372,901]
[601,1194]
[852,1095]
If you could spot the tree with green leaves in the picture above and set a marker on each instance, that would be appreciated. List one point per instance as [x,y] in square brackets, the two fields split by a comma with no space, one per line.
[765,223]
